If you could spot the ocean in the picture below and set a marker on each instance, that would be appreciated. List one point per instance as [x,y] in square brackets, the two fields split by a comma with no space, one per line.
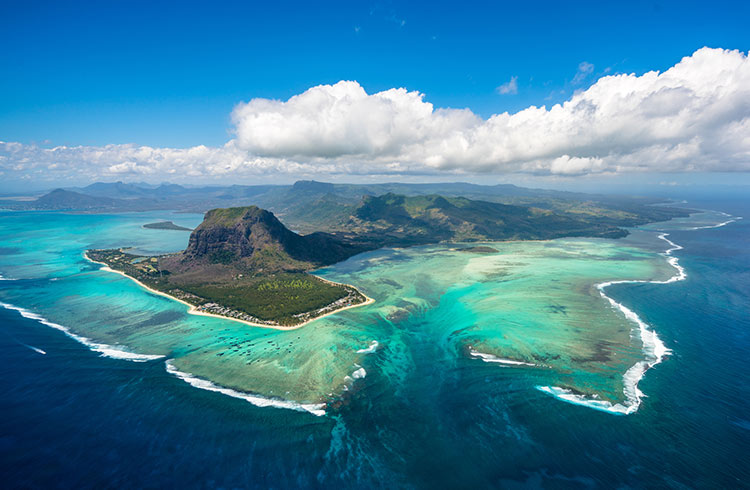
[444,382]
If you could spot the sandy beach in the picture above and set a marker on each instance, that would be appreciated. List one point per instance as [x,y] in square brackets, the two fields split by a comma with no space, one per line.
[194,311]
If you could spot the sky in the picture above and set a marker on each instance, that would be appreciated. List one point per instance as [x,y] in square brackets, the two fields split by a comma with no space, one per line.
[356,91]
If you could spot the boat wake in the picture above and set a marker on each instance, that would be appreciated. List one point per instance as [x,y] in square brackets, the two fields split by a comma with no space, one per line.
[257,400]
[105,350]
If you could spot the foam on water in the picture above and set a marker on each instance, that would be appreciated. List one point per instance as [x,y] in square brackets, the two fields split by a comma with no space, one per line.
[570,397]
[317,409]
[732,220]
[370,349]
[497,360]
[359,373]
[103,349]
[654,349]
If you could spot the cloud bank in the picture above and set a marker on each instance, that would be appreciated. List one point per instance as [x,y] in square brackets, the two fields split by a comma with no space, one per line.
[695,116]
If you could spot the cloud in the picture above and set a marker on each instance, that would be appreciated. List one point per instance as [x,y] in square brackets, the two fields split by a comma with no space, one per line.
[330,121]
[64,163]
[584,70]
[510,87]
[695,116]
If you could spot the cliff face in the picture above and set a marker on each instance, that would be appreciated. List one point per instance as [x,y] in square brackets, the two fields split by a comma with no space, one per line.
[256,239]
[236,233]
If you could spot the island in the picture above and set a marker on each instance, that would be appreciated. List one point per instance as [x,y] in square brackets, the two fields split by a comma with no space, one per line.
[244,264]
[481,249]
[166,225]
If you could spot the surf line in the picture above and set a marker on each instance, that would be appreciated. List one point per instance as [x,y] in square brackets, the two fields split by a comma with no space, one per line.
[731,220]
[654,349]
[317,409]
[497,360]
[103,349]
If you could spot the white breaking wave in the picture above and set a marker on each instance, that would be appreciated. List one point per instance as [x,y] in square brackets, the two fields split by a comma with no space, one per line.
[497,360]
[653,348]
[317,409]
[370,349]
[103,349]
[732,220]
[359,373]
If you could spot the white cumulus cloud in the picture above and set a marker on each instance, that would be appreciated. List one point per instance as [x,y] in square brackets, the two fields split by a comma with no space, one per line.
[695,116]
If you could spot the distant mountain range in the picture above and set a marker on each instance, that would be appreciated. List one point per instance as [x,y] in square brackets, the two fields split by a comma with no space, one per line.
[244,263]
[432,218]
[310,206]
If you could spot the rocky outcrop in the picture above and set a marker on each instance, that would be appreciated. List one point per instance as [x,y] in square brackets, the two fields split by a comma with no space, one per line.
[255,238]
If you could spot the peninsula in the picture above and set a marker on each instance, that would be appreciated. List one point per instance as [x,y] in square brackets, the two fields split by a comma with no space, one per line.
[244,264]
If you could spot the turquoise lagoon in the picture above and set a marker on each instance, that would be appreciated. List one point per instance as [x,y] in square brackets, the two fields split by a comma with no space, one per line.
[534,308]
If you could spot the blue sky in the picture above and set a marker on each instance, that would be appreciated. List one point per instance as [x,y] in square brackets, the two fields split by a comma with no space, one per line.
[244,92]
[169,74]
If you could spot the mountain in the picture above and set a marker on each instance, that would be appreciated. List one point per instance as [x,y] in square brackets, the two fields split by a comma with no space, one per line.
[243,263]
[69,200]
[311,206]
[406,220]
[253,239]
[313,186]
[116,190]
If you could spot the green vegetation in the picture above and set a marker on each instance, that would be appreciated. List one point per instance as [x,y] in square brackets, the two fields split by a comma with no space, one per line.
[243,263]
[277,298]
[165,225]
[229,216]
[284,299]
[479,250]
[404,220]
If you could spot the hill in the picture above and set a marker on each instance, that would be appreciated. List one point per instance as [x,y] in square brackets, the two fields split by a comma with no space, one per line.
[310,206]
[243,263]
[253,239]
[406,220]
[69,200]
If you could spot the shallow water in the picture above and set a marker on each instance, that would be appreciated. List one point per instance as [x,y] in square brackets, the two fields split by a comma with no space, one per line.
[530,303]
[421,394]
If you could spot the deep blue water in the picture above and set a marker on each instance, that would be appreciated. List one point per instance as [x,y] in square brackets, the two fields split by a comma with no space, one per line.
[71,418]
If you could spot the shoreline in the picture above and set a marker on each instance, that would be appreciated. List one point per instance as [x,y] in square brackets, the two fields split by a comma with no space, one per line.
[653,347]
[193,310]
